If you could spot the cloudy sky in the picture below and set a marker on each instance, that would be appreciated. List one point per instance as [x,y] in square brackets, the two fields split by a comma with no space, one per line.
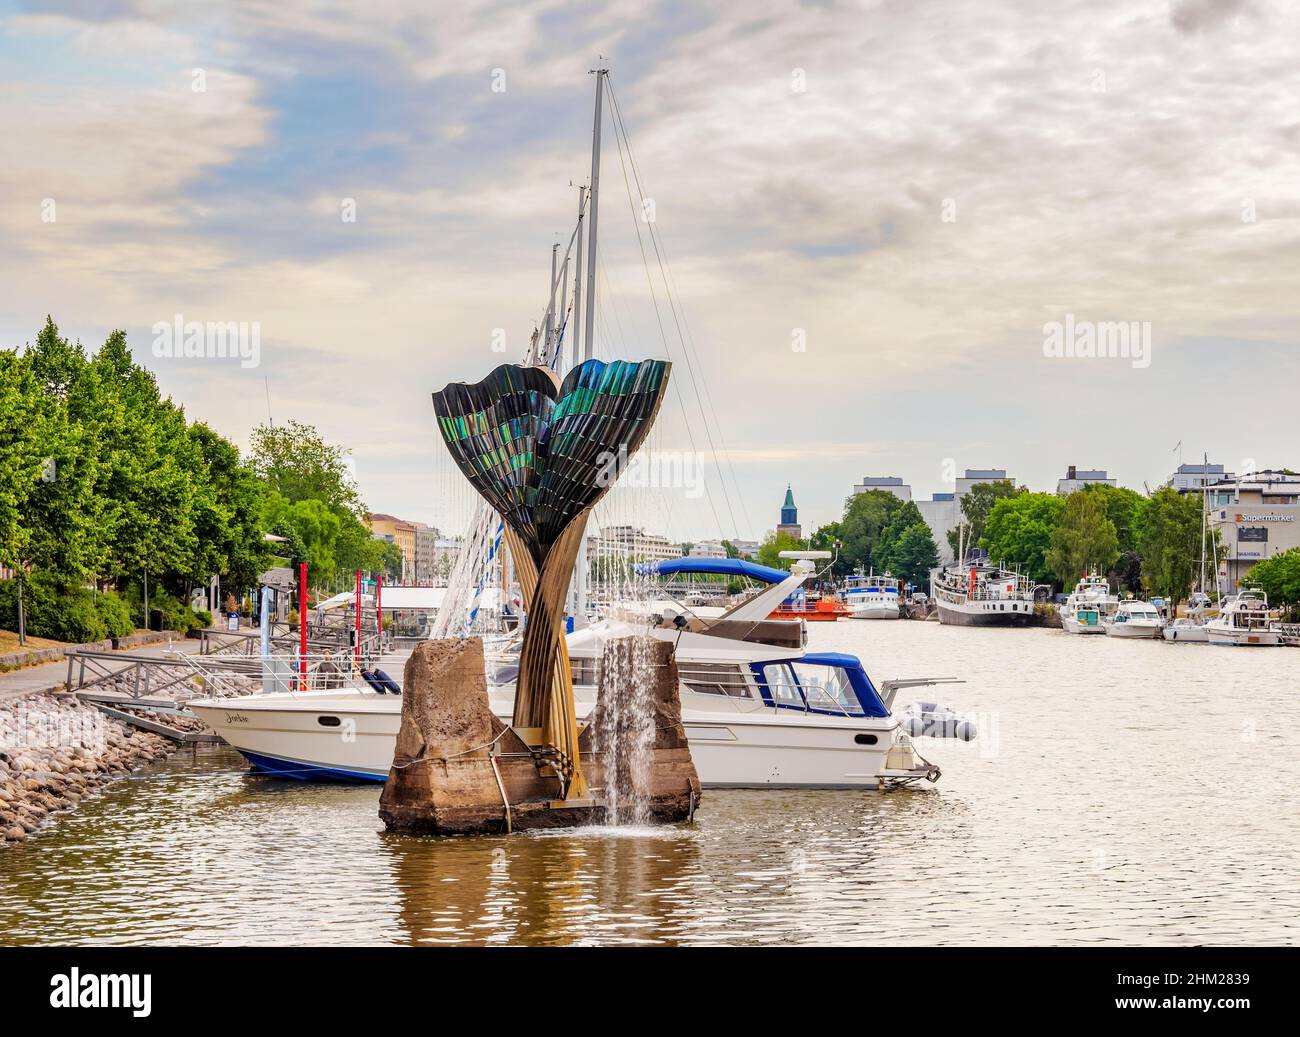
[870,212]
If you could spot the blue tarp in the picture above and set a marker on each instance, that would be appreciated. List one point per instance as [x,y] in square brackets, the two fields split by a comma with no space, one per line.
[715,567]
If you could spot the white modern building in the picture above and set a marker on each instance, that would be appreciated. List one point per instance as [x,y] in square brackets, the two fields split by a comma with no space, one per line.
[1191,478]
[634,543]
[708,549]
[889,483]
[942,512]
[1079,478]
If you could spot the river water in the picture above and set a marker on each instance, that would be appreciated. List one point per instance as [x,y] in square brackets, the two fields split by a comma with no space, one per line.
[1119,791]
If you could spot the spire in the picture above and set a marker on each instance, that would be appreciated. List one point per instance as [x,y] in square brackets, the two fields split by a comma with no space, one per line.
[789,497]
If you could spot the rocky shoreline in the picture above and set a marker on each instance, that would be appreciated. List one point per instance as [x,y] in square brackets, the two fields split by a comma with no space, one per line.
[56,750]
[41,775]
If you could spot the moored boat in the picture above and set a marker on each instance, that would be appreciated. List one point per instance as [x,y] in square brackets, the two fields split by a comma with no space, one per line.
[1088,606]
[759,711]
[979,594]
[1133,618]
[1244,620]
[871,596]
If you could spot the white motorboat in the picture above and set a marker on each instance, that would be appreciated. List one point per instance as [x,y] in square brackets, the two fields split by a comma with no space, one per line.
[871,596]
[1185,630]
[1088,606]
[1244,619]
[759,710]
[1133,618]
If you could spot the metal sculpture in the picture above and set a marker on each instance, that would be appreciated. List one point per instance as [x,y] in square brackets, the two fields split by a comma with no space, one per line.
[542,452]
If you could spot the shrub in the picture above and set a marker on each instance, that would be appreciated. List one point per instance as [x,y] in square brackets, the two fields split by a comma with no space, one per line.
[115,614]
[61,614]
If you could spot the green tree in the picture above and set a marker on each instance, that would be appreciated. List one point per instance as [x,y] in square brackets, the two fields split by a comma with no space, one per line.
[22,462]
[1120,505]
[1168,526]
[229,503]
[1083,539]
[769,552]
[904,517]
[299,465]
[913,554]
[731,549]
[826,538]
[976,505]
[865,517]
[1278,577]
[1018,531]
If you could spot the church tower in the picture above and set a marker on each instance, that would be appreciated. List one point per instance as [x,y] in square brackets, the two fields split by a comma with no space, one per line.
[789,523]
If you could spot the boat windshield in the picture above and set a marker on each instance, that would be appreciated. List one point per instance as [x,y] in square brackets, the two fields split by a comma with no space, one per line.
[805,686]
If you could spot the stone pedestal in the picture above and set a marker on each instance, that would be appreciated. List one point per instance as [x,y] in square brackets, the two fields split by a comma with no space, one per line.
[458,770]
[662,772]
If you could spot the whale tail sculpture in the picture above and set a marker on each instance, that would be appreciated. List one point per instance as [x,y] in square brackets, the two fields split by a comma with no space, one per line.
[542,452]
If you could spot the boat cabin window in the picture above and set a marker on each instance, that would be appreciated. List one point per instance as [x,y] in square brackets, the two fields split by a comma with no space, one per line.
[714,679]
[825,689]
[583,670]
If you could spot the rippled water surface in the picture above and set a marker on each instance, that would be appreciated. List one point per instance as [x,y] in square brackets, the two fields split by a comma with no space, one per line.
[1119,791]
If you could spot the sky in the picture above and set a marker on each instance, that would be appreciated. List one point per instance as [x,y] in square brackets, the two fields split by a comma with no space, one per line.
[872,214]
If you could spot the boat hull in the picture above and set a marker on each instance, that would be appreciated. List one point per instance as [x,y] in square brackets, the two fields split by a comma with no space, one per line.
[1072,626]
[874,610]
[1186,634]
[730,751]
[1133,630]
[977,615]
[1242,638]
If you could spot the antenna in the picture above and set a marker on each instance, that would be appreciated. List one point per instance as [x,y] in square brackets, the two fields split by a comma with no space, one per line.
[267,382]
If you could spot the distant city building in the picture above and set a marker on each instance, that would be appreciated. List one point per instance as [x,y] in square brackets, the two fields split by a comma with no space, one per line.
[789,524]
[718,548]
[426,556]
[1078,478]
[889,483]
[634,543]
[1257,516]
[446,550]
[1192,478]
[942,512]
[399,532]
[708,549]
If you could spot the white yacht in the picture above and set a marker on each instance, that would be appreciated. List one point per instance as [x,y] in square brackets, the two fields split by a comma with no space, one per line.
[1243,619]
[1088,606]
[1192,626]
[1133,618]
[871,596]
[759,710]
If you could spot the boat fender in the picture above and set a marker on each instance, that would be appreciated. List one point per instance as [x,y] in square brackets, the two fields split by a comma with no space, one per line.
[389,684]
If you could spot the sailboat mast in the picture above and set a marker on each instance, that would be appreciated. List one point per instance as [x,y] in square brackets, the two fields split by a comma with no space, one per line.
[589,333]
[577,282]
[550,309]
[582,575]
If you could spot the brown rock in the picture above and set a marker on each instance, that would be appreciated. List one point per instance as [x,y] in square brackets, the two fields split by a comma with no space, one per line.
[442,780]
[15,834]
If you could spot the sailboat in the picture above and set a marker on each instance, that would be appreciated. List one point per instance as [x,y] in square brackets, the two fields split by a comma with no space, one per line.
[1193,625]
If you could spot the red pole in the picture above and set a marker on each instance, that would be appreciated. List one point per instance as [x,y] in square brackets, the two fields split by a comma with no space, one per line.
[302,624]
[358,652]
[379,609]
